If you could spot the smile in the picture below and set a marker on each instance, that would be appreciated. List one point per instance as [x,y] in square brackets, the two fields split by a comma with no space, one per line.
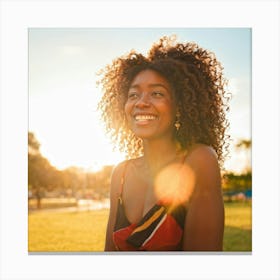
[144,117]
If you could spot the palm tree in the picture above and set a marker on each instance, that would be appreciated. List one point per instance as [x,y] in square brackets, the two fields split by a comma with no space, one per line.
[245,145]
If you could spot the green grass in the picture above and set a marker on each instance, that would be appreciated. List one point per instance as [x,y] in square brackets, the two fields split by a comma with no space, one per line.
[67,232]
[85,231]
[238,227]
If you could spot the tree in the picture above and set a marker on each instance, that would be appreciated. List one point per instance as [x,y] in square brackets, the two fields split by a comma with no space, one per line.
[237,182]
[245,145]
[103,181]
[33,144]
[41,174]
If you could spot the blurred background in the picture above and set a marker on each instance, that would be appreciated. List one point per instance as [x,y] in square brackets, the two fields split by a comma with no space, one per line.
[70,158]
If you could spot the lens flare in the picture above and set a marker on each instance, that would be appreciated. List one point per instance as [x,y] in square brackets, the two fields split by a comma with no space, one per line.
[174,184]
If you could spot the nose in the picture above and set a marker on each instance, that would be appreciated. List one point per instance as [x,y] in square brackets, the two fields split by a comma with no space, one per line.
[143,101]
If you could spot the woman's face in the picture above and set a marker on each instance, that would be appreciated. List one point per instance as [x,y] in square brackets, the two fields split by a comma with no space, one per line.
[150,108]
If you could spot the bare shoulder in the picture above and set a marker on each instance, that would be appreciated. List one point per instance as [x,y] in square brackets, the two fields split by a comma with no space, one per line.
[201,152]
[117,175]
[204,162]
[118,169]
[202,157]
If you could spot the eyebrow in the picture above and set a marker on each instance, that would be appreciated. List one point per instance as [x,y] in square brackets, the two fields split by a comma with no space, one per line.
[150,85]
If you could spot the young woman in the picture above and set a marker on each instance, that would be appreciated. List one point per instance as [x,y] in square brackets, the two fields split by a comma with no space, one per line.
[166,110]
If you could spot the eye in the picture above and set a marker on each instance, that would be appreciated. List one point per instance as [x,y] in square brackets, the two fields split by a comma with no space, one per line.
[157,94]
[132,95]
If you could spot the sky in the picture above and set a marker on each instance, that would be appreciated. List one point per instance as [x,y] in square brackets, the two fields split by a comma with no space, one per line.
[63,66]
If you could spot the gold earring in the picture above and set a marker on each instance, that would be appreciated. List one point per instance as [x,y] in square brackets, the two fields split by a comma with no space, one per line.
[177,122]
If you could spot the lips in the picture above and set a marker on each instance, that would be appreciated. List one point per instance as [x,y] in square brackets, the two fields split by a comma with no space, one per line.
[144,118]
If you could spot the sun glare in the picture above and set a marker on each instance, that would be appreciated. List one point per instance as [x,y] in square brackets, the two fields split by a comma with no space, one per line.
[175,184]
[68,128]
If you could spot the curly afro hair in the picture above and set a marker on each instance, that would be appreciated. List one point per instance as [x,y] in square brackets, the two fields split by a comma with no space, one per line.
[199,88]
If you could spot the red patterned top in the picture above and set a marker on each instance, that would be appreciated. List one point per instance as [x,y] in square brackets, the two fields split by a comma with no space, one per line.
[161,228]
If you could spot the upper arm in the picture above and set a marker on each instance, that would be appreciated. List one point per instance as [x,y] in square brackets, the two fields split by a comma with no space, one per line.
[204,224]
[114,193]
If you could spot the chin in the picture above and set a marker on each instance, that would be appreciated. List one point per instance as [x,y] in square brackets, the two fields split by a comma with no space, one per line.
[144,136]
[150,133]
[148,136]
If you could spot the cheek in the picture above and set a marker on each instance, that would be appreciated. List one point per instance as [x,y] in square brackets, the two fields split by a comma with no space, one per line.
[169,110]
[127,109]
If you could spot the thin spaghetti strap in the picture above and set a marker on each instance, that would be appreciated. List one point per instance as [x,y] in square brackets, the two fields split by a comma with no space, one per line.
[122,180]
[184,158]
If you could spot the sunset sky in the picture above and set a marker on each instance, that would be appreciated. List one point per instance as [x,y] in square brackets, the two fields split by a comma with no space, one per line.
[63,95]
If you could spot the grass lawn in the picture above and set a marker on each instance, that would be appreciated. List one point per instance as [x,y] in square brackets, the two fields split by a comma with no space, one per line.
[238,227]
[85,231]
[67,231]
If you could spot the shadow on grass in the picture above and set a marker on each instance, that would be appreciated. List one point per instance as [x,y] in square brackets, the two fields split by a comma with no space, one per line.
[237,239]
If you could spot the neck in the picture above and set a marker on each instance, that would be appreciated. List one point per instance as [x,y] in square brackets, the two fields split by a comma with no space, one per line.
[158,153]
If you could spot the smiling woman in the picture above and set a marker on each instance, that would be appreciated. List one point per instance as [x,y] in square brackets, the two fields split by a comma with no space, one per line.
[149,106]
[167,112]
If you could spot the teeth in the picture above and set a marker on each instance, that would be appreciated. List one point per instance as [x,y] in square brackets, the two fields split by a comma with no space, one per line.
[144,117]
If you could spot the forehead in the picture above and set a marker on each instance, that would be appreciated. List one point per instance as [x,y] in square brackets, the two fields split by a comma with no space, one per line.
[150,78]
